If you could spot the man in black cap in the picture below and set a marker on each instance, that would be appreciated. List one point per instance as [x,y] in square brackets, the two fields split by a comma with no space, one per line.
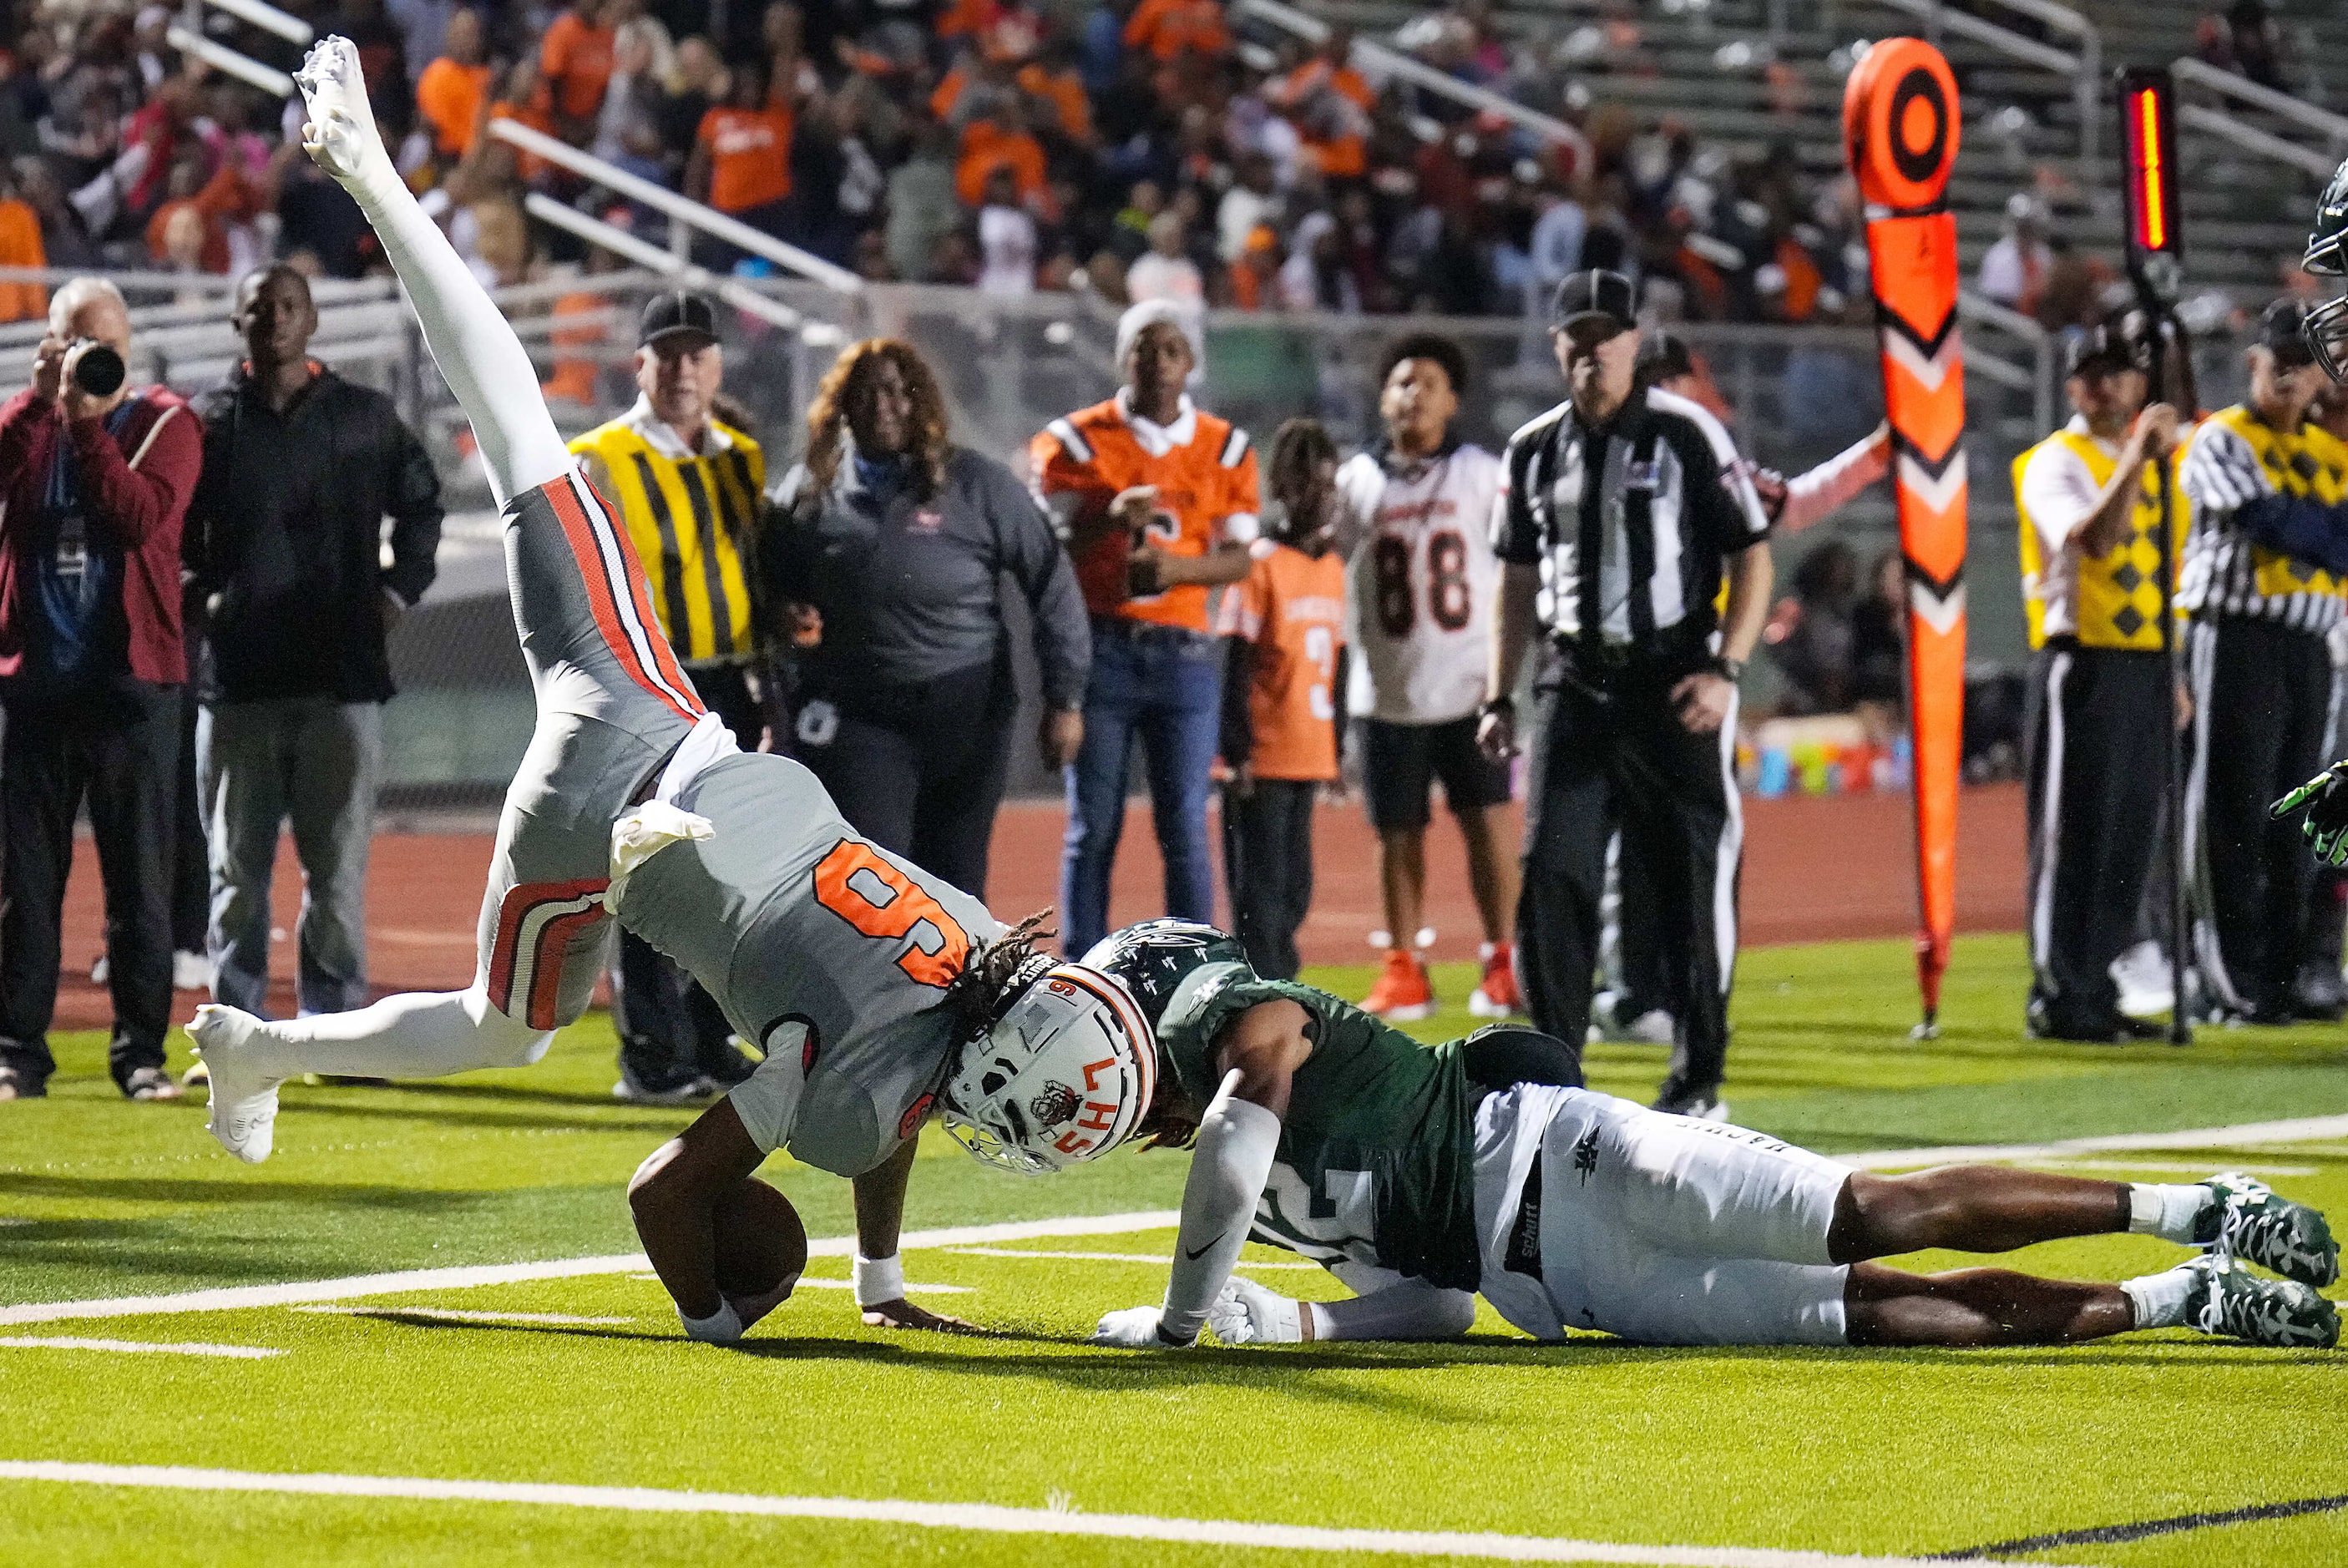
[688,487]
[2089,499]
[1623,511]
[2265,565]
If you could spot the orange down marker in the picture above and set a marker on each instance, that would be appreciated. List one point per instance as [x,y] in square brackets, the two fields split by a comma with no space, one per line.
[1899,134]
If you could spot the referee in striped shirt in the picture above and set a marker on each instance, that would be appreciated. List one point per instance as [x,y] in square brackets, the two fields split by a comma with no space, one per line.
[2266,564]
[1622,511]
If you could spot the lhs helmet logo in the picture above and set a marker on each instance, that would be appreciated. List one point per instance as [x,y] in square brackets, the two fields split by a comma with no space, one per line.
[1058,1104]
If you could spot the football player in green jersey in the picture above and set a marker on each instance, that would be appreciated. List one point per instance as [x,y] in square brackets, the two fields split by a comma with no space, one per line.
[1421,1181]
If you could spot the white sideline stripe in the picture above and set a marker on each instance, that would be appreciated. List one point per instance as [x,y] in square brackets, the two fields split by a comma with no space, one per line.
[956,1516]
[2313,1128]
[805,1284]
[133,1346]
[2176,1167]
[234,1298]
[1098,1258]
[456,1315]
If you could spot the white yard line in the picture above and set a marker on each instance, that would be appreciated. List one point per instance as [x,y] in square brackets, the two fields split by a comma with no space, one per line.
[2314,1128]
[2196,1169]
[132,1347]
[1160,1258]
[235,1298]
[963,1516]
[456,1315]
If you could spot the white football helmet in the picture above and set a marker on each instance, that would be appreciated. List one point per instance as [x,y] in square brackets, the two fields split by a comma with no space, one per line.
[1066,1073]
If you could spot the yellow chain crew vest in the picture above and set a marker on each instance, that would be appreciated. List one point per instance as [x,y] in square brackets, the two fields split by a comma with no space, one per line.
[2118,593]
[690,519]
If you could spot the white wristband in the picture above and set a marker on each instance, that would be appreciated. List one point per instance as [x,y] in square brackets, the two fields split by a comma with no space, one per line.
[879,1279]
[723,1327]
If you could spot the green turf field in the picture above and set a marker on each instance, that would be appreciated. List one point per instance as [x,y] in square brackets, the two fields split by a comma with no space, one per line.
[975,1450]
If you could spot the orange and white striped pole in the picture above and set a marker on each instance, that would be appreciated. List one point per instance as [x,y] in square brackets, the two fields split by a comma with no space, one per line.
[1900,133]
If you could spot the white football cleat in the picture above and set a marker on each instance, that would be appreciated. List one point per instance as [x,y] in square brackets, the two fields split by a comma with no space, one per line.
[243,1113]
[341,135]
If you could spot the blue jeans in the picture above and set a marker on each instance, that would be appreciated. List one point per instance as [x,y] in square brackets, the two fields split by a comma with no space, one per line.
[1164,685]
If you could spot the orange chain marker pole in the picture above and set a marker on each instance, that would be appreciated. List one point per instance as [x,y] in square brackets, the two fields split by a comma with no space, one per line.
[1900,133]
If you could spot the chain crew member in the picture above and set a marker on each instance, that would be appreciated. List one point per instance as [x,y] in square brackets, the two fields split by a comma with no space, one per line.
[1622,511]
[2088,498]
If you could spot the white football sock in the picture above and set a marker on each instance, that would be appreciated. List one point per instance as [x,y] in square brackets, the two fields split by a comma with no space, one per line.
[418,1034]
[2170,1213]
[483,362]
[2159,1299]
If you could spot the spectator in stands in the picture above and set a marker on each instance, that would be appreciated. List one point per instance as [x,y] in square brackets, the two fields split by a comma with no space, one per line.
[1554,249]
[2257,43]
[1006,238]
[2013,271]
[740,162]
[455,88]
[687,486]
[93,488]
[20,246]
[1157,499]
[1809,632]
[896,541]
[1167,29]
[1250,204]
[1166,274]
[575,64]
[423,34]
[920,204]
[1000,141]
[284,545]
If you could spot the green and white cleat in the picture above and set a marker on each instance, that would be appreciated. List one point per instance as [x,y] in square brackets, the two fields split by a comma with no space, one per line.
[2227,1300]
[2250,1221]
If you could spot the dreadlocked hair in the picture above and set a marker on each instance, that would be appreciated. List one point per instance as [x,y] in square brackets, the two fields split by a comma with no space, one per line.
[996,972]
[846,393]
[1298,446]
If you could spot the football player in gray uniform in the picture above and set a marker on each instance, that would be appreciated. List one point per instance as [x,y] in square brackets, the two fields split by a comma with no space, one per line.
[862,979]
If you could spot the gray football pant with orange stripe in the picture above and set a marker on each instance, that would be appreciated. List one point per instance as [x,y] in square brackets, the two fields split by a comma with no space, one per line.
[613,704]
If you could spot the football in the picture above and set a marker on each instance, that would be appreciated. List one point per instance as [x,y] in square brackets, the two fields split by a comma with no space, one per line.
[760,1241]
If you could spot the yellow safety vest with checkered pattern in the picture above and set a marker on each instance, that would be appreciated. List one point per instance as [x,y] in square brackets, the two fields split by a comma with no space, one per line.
[2120,591]
[691,519]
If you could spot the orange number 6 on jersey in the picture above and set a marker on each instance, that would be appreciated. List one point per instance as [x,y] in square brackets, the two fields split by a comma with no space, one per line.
[856,885]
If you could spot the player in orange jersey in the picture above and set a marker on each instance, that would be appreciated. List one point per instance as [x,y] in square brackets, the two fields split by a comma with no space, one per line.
[1283,629]
[1157,499]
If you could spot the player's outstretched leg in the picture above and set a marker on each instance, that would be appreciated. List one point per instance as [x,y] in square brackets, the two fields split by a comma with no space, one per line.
[418,1035]
[1970,1307]
[1994,1209]
[483,362]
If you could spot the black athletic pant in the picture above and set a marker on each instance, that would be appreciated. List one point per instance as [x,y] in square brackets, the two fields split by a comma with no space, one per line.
[1268,858]
[2262,693]
[191,873]
[118,743]
[669,1028]
[1613,754]
[2097,723]
[920,775]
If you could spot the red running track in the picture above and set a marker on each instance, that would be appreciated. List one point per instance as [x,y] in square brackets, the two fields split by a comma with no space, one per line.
[1815,869]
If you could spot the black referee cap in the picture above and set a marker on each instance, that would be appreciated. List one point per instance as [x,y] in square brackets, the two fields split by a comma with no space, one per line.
[1595,292]
[674,315]
[2282,327]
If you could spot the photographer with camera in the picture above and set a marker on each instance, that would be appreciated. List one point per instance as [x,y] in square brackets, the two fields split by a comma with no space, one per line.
[95,477]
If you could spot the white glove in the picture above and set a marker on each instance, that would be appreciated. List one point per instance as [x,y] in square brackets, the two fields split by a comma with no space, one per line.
[1247,1314]
[1135,1328]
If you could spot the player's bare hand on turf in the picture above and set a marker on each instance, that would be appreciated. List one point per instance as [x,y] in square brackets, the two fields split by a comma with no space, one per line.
[1703,700]
[1135,1328]
[903,1313]
[2325,796]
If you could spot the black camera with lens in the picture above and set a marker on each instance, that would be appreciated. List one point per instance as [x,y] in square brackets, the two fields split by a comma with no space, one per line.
[100,372]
